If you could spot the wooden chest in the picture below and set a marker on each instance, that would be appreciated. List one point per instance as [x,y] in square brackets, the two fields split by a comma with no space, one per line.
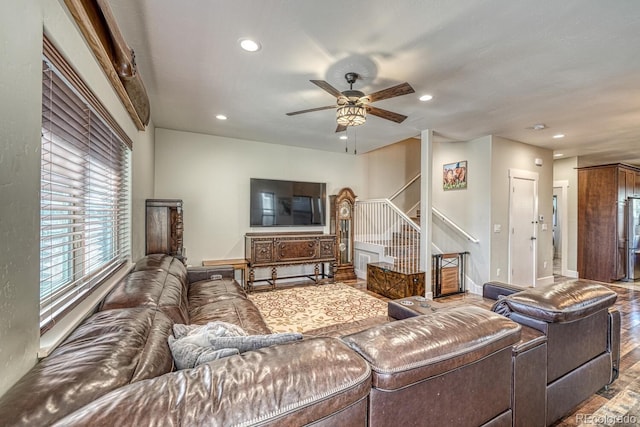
[384,280]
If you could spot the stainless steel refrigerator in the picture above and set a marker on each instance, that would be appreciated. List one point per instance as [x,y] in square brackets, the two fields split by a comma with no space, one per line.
[633,238]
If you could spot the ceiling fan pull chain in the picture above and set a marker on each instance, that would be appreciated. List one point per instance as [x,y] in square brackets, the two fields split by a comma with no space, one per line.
[346,141]
[355,142]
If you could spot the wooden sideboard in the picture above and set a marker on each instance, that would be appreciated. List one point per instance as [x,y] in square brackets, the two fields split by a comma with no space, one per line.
[286,249]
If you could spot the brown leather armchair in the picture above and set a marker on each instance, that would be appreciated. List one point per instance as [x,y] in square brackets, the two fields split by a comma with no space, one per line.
[583,340]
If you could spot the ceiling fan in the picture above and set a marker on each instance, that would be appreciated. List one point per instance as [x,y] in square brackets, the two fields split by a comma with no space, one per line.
[352,105]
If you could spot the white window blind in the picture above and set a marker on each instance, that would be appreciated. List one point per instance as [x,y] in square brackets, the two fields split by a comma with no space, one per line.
[85,196]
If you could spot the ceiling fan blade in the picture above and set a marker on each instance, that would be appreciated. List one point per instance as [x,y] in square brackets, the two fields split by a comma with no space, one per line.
[398,90]
[328,107]
[326,86]
[385,114]
[341,128]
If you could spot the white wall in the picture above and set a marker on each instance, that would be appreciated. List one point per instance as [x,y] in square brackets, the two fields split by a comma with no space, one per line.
[486,202]
[142,188]
[470,209]
[211,175]
[21,28]
[507,154]
[390,168]
[565,170]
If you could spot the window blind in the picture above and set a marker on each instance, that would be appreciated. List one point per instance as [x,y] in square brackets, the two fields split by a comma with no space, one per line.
[85,196]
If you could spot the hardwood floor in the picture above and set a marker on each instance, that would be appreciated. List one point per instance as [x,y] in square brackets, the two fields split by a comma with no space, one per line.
[619,404]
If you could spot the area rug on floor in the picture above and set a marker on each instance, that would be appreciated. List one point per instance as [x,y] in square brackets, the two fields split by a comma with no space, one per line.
[302,309]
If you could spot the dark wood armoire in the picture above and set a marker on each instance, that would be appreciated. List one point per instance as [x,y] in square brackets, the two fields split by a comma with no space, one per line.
[602,195]
[164,227]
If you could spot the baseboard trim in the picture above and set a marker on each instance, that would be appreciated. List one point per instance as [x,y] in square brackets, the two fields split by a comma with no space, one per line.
[572,273]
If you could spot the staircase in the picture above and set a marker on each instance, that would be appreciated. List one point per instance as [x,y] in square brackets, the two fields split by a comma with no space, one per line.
[380,223]
[382,227]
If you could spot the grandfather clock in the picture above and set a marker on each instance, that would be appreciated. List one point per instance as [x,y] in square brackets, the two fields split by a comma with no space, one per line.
[341,224]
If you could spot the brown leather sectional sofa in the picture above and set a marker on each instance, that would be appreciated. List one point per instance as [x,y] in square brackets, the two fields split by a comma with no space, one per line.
[453,367]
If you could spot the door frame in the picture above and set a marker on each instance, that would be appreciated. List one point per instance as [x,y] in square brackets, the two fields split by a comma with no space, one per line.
[564,224]
[530,176]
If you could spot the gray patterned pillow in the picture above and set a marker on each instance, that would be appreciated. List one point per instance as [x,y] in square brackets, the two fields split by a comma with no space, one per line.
[189,355]
[197,344]
[253,342]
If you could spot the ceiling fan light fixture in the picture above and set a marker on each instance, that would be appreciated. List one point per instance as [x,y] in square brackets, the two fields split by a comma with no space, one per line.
[351,115]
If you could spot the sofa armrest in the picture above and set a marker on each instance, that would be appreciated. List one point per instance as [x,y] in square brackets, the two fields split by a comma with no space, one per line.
[196,274]
[494,290]
[613,342]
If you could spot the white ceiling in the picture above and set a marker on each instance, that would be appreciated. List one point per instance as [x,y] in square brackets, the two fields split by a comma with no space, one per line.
[493,66]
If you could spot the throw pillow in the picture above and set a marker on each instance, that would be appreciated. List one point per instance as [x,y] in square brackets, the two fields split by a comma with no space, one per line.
[189,355]
[253,342]
[218,328]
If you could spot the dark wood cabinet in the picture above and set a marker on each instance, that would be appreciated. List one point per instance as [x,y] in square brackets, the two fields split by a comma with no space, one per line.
[602,195]
[284,249]
[164,227]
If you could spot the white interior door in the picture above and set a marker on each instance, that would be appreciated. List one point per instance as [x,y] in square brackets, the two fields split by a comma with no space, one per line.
[523,211]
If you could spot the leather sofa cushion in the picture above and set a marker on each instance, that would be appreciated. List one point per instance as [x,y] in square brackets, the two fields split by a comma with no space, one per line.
[165,262]
[150,288]
[563,302]
[239,311]
[290,384]
[108,350]
[208,291]
[410,350]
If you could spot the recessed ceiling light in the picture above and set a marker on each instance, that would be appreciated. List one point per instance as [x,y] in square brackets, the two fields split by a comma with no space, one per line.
[344,137]
[558,155]
[221,117]
[558,136]
[426,98]
[250,45]
[539,126]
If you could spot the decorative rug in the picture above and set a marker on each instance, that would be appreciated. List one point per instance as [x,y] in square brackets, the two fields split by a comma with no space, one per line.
[302,309]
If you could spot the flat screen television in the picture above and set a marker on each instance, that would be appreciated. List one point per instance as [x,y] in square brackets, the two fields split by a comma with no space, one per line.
[276,203]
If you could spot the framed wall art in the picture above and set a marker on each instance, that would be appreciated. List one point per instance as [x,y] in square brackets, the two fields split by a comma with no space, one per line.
[454,176]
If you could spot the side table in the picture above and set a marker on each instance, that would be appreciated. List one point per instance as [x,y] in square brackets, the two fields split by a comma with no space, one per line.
[237,264]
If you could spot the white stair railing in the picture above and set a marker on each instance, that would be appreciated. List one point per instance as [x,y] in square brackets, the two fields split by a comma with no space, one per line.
[380,222]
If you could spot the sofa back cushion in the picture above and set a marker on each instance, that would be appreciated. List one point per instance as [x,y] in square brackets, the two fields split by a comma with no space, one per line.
[150,288]
[165,262]
[408,350]
[108,350]
[562,302]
